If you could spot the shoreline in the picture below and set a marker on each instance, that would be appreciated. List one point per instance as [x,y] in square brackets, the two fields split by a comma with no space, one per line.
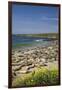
[34,55]
[27,60]
[33,46]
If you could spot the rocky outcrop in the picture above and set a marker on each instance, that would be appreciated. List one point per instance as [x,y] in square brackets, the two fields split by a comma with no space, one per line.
[25,61]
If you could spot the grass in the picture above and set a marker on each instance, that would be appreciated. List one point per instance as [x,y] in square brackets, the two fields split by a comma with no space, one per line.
[40,77]
[42,35]
[19,45]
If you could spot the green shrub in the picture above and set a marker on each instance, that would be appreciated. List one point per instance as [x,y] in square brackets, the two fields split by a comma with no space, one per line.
[42,76]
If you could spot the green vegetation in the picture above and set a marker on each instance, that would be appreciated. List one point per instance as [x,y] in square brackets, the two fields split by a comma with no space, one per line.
[43,35]
[22,45]
[40,77]
[19,45]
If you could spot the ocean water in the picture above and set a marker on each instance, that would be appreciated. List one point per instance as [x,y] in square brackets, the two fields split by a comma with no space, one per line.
[23,41]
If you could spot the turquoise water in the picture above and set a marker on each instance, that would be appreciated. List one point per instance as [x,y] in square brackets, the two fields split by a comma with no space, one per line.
[21,41]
